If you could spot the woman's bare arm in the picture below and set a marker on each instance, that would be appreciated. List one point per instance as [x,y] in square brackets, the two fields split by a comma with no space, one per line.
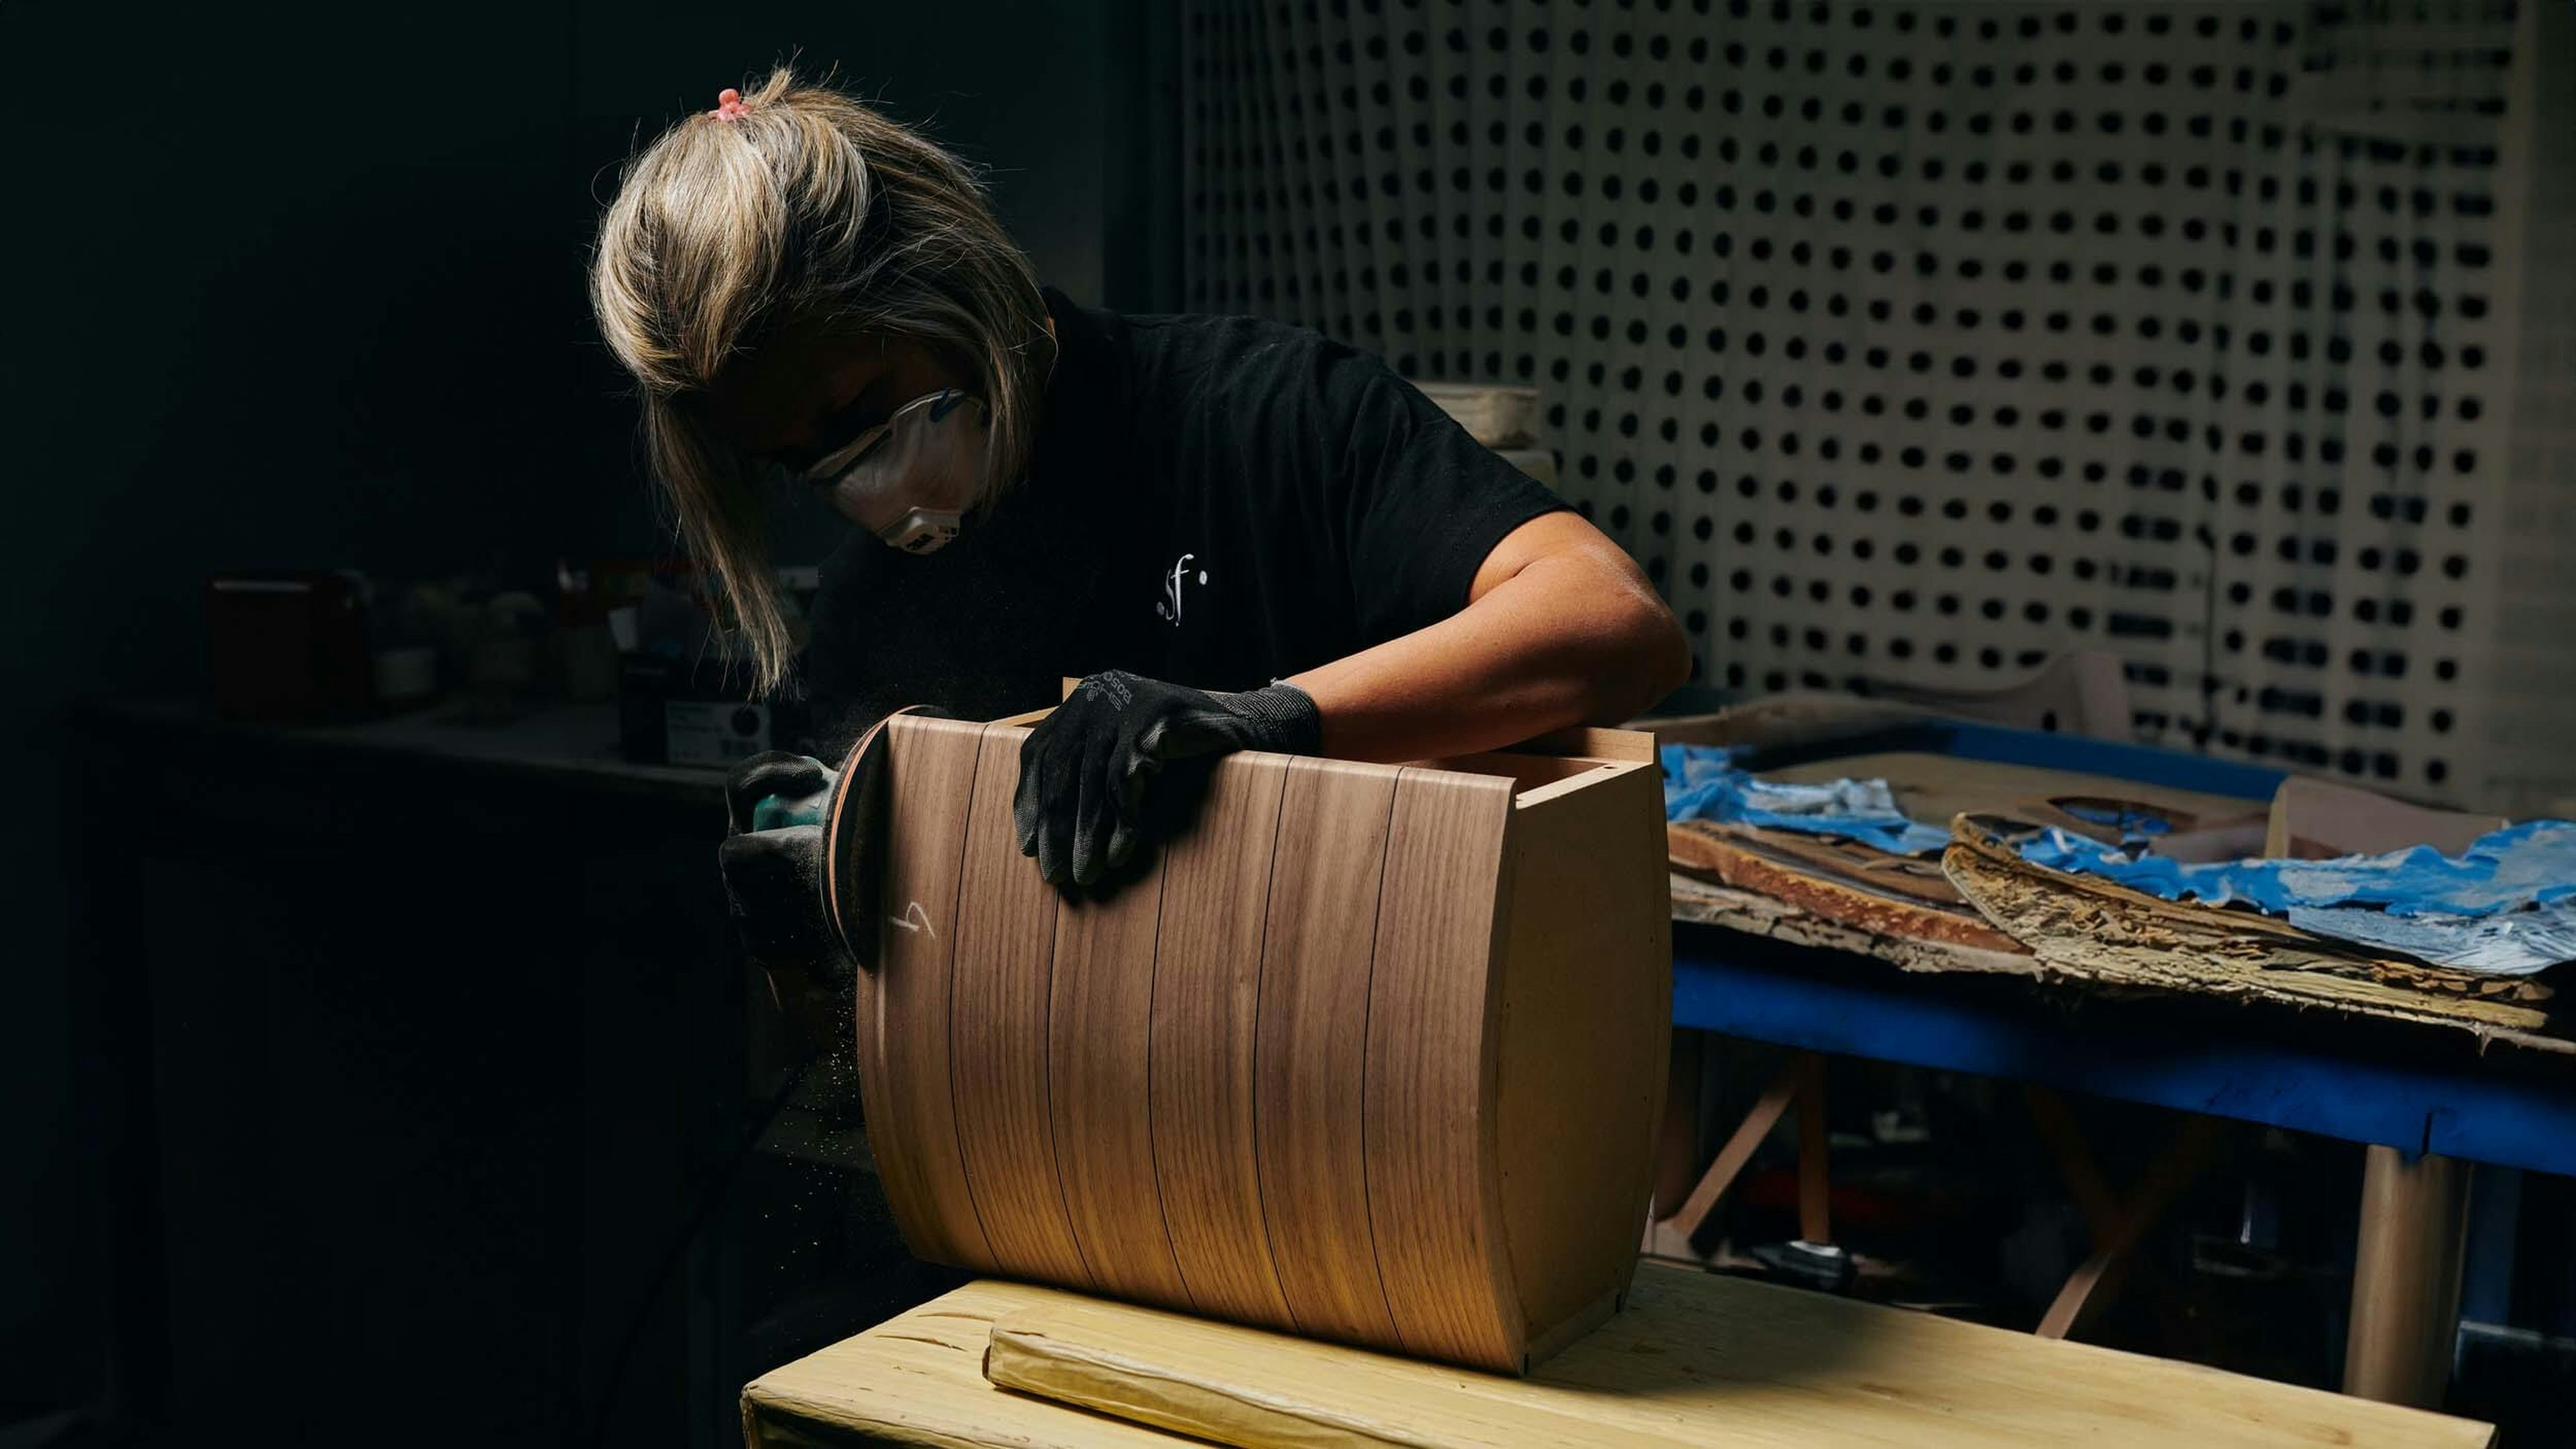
[1561,628]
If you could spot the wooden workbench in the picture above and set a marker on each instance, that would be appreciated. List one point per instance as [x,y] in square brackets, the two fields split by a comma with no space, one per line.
[1698,1359]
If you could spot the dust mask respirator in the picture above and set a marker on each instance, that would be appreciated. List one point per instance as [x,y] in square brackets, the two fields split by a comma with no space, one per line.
[911,479]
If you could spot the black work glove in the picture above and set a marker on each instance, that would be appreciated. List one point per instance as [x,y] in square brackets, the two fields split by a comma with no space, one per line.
[1085,769]
[773,860]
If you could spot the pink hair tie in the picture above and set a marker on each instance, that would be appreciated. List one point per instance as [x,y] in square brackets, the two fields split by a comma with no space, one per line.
[729,106]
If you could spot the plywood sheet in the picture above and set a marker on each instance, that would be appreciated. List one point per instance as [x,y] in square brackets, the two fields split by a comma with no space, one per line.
[2315,819]
[1865,904]
[1933,788]
[1690,845]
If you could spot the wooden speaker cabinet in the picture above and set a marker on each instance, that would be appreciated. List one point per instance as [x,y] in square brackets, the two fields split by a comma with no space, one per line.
[1370,1053]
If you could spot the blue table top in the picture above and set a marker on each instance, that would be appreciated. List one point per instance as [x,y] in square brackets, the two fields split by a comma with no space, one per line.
[2340,1078]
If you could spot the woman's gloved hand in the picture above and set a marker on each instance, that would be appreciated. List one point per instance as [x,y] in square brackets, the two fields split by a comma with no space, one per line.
[773,860]
[1085,769]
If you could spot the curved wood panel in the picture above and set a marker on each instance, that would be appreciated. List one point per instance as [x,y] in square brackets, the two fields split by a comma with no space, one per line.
[1100,1046]
[1312,1054]
[855,821]
[1370,1054]
[1434,1193]
[854,850]
[1585,1036]
[1207,995]
[997,1025]
[904,1079]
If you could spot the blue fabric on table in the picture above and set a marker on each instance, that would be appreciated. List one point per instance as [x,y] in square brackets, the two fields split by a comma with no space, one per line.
[1703,782]
[2521,865]
[2509,943]
[2506,905]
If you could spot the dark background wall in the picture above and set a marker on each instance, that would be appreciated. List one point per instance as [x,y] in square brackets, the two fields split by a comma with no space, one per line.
[300,286]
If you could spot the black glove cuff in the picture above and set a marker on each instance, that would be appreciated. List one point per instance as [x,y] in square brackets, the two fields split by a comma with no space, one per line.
[1283,717]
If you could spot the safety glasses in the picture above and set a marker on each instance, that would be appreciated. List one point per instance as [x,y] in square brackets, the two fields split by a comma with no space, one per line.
[831,467]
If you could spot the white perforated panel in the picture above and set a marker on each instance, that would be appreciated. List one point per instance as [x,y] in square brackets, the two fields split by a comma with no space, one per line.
[1923,341]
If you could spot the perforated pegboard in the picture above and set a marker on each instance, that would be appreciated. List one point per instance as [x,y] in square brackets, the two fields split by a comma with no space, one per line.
[1922,341]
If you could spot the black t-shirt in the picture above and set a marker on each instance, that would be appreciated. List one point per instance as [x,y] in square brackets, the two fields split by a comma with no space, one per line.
[1214,501]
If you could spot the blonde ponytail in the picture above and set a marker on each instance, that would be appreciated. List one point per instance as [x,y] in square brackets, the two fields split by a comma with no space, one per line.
[799,206]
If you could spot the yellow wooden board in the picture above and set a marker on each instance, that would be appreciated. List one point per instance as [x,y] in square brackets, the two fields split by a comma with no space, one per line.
[918,1379]
[1696,1360]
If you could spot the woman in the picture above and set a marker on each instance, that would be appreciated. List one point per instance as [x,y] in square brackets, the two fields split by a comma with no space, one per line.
[1239,534]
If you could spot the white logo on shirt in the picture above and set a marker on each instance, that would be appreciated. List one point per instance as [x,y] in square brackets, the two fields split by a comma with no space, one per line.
[1170,607]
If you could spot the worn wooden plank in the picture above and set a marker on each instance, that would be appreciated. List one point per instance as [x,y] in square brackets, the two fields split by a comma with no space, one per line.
[1705,903]
[1880,910]
[2094,928]
[1689,845]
